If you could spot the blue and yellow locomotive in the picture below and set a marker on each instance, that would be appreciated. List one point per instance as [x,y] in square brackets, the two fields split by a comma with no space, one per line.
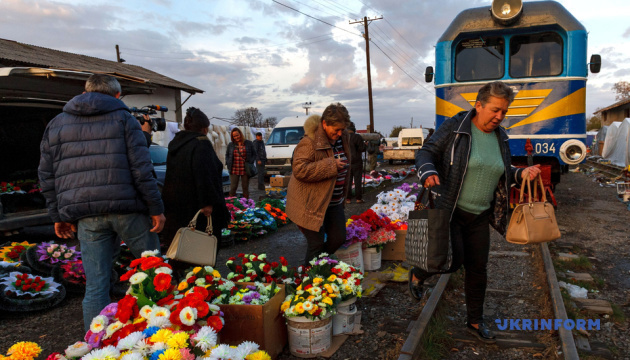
[539,49]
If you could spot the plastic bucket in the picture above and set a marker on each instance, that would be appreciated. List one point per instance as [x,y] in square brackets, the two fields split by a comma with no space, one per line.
[371,259]
[353,255]
[308,338]
[343,321]
[347,305]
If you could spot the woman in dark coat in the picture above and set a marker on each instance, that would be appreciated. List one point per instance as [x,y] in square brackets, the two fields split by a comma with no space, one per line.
[239,152]
[193,180]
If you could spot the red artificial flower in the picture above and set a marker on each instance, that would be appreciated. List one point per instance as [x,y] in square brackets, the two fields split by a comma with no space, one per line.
[308,287]
[136,262]
[274,264]
[174,318]
[239,268]
[268,278]
[127,308]
[215,322]
[232,258]
[166,301]
[209,278]
[266,268]
[162,282]
[203,292]
[191,279]
[128,275]
[241,255]
[151,262]
[284,261]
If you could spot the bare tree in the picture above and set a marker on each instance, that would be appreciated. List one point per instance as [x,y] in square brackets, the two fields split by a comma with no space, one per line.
[248,117]
[622,88]
[271,121]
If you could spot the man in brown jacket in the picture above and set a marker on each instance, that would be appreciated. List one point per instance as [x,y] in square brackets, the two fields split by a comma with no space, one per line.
[319,182]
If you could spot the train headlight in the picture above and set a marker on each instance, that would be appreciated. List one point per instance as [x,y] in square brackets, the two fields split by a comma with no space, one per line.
[506,12]
[573,152]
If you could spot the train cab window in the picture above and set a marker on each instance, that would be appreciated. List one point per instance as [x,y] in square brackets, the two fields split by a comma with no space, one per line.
[536,55]
[480,58]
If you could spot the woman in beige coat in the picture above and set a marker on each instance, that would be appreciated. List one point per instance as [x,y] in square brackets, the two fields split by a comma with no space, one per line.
[315,198]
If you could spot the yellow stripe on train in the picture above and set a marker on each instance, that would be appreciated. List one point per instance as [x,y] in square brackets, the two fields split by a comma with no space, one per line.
[570,105]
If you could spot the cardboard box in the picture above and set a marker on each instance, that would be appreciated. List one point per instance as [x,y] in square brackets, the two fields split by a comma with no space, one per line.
[262,324]
[279,181]
[395,250]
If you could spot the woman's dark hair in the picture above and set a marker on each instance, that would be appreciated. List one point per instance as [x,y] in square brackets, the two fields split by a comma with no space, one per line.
[195,120]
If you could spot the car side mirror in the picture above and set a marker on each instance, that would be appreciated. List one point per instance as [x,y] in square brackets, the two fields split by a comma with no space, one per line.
[428,74]
[596,63]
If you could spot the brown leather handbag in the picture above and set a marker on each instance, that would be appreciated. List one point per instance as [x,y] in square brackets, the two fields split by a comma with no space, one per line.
[533,221]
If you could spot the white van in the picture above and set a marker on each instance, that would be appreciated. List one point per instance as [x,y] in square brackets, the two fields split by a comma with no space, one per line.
[281,143]
[410,138]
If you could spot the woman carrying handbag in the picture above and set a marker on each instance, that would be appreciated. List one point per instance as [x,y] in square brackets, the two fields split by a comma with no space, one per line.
[467,162]
[240,158]
[193,183]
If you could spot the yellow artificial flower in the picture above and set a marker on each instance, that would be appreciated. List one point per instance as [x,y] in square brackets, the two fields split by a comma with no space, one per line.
[310,298]
[216,274]
[197,269]
[349,222]
[317,281]
[327,300]
[329,288]
[299,308]
[285,305]
[178,341]
[182,286]
[258,355]
[171,354]
[299,287]
[161,335]
[24,350]
[332,278]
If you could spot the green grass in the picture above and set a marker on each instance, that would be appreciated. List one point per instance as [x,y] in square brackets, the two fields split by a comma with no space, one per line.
[573,312]
[579,264]
[436,341]
[618,315]
[590,286]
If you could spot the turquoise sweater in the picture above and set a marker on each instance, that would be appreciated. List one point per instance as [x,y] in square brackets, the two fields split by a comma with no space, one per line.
[485,168]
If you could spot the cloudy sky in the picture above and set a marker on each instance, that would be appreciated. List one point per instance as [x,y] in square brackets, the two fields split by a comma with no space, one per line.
[263,54]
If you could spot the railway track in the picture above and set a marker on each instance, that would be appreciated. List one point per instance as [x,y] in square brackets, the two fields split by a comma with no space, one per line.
[609,170]
[530,291]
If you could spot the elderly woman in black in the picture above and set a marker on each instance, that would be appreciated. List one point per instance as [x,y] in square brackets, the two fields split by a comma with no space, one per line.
[193,181]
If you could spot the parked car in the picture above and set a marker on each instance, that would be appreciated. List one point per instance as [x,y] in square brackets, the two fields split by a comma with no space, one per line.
[158,157]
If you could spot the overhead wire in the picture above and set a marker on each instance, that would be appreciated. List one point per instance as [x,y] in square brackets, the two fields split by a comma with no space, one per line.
[401,69]
[314,18]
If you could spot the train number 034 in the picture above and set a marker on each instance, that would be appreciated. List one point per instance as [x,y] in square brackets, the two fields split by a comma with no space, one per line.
[545,148]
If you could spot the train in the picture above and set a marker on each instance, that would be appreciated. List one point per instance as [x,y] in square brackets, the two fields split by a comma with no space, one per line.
[539,49]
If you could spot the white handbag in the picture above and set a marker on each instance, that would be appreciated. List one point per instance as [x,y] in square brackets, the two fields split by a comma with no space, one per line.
[194,246]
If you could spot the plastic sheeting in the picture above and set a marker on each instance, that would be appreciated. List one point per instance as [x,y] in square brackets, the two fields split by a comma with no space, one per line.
[616,146]
[600,137]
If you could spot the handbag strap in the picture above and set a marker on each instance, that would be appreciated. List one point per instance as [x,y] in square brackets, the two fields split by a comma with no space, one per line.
[193,223]
[537,183]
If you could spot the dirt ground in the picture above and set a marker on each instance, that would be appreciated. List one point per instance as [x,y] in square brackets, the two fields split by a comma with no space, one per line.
[590,216]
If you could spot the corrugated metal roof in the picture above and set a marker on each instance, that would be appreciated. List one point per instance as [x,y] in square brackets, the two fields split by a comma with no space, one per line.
[617,104]
[30,55]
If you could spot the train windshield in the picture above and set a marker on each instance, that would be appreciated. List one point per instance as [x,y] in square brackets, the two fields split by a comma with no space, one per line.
[536,55]
[480,58]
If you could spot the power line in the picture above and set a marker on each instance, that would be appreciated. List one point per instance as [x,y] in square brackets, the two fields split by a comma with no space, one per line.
[401,69]
[407,60]
[344,8]
[314,18]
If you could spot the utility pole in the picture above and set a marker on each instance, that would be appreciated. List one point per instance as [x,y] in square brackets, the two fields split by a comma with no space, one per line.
[411,122]
[118,55]
[369,76]
[307,105]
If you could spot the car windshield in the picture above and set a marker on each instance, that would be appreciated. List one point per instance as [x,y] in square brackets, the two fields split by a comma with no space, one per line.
[286,136]
[411,141]
[158,154]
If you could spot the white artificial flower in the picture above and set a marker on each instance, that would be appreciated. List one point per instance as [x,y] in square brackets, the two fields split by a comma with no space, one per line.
[112,328]
[146,311]
[200,282]
[188,315]
[142,347]
[208,269]
[132,356]
[262,256]
[129,341]
[163,270]
[137,278]
[206,338]
[99,323]
[222,352]
[157,347]
[78,349]
[110,352]
[149,253]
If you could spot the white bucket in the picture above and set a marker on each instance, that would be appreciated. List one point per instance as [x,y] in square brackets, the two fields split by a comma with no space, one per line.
[343,321]
[308,338]
[353,255]
[348,305]
[371,259]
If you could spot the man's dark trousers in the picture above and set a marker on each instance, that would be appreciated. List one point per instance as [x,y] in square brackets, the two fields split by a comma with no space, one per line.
[356,175]
[261,174]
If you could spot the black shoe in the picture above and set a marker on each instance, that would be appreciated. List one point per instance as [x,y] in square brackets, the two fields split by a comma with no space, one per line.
[415,287]
[483,333]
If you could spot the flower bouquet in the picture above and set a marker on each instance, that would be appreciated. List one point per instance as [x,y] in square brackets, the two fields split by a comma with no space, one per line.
[356,232]
[276,203]
[71,275]
[27,292]
[253,267]
[44,257]
[278,214]
[256,294]
[218,290]
[315,298]
[394,204]
[11,251]
[347,277]
[379,237]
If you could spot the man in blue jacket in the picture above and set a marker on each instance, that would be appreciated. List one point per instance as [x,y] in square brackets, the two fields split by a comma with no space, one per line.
[95,172]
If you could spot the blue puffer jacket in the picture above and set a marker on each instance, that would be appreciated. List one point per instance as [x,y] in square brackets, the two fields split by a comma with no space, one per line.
[95,160]
[446,154]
